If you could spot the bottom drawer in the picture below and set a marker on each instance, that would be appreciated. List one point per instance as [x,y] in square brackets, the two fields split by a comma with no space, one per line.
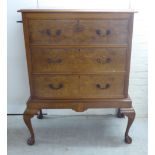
[78,86]
[55,86]
[102,86]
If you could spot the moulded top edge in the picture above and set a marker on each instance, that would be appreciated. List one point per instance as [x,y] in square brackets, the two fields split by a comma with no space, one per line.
[76,10]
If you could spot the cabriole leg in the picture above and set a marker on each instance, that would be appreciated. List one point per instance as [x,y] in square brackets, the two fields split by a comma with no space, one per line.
[130,113]
[28,114]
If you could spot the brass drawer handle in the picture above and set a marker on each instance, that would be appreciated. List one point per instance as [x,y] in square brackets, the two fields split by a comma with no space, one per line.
[53,61]
[55,86]
[58,32]
[103,60]
[48,32]
[103,86]
[103,33]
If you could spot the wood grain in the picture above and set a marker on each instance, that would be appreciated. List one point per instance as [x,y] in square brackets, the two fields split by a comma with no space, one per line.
[102,86]
[76,10]
[72,32]
[78,59]
[62,86]
[95,60]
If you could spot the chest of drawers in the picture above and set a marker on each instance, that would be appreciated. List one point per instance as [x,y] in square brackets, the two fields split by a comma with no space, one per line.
[78,59]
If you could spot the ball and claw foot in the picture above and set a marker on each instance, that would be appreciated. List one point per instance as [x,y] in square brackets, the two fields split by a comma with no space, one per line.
[30,141]
[128,140]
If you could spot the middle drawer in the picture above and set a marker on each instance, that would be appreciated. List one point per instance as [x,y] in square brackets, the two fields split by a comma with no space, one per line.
[78,86]
[77,60]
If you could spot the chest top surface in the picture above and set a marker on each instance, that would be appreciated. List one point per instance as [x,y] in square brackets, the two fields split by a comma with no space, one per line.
[77,10]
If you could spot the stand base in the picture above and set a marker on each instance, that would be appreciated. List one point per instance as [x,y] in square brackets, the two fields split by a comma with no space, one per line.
[35,106]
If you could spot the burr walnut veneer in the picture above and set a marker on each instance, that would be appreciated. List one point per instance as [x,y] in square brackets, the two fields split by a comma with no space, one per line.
[78,59]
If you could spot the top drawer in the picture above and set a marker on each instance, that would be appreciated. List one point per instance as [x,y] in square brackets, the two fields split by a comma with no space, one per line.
[77,32]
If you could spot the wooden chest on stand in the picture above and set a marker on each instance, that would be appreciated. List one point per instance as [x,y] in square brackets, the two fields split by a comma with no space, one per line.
[78,59]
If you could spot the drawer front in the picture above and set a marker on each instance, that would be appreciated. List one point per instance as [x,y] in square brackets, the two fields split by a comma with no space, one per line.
[102,86]
[45,60]
[78,60]
[70,32]
[55,86]
[99,60]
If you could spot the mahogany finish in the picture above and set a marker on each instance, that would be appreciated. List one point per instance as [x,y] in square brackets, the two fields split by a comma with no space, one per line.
[78,59]
[62,60]
[77,31]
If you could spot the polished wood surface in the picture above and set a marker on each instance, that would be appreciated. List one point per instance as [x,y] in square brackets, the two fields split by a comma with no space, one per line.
[78,59]
[78,105]
[84,86]
[72,32]
[130,113]
[62,60]
[75,10]
[56,86]
[102,86]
